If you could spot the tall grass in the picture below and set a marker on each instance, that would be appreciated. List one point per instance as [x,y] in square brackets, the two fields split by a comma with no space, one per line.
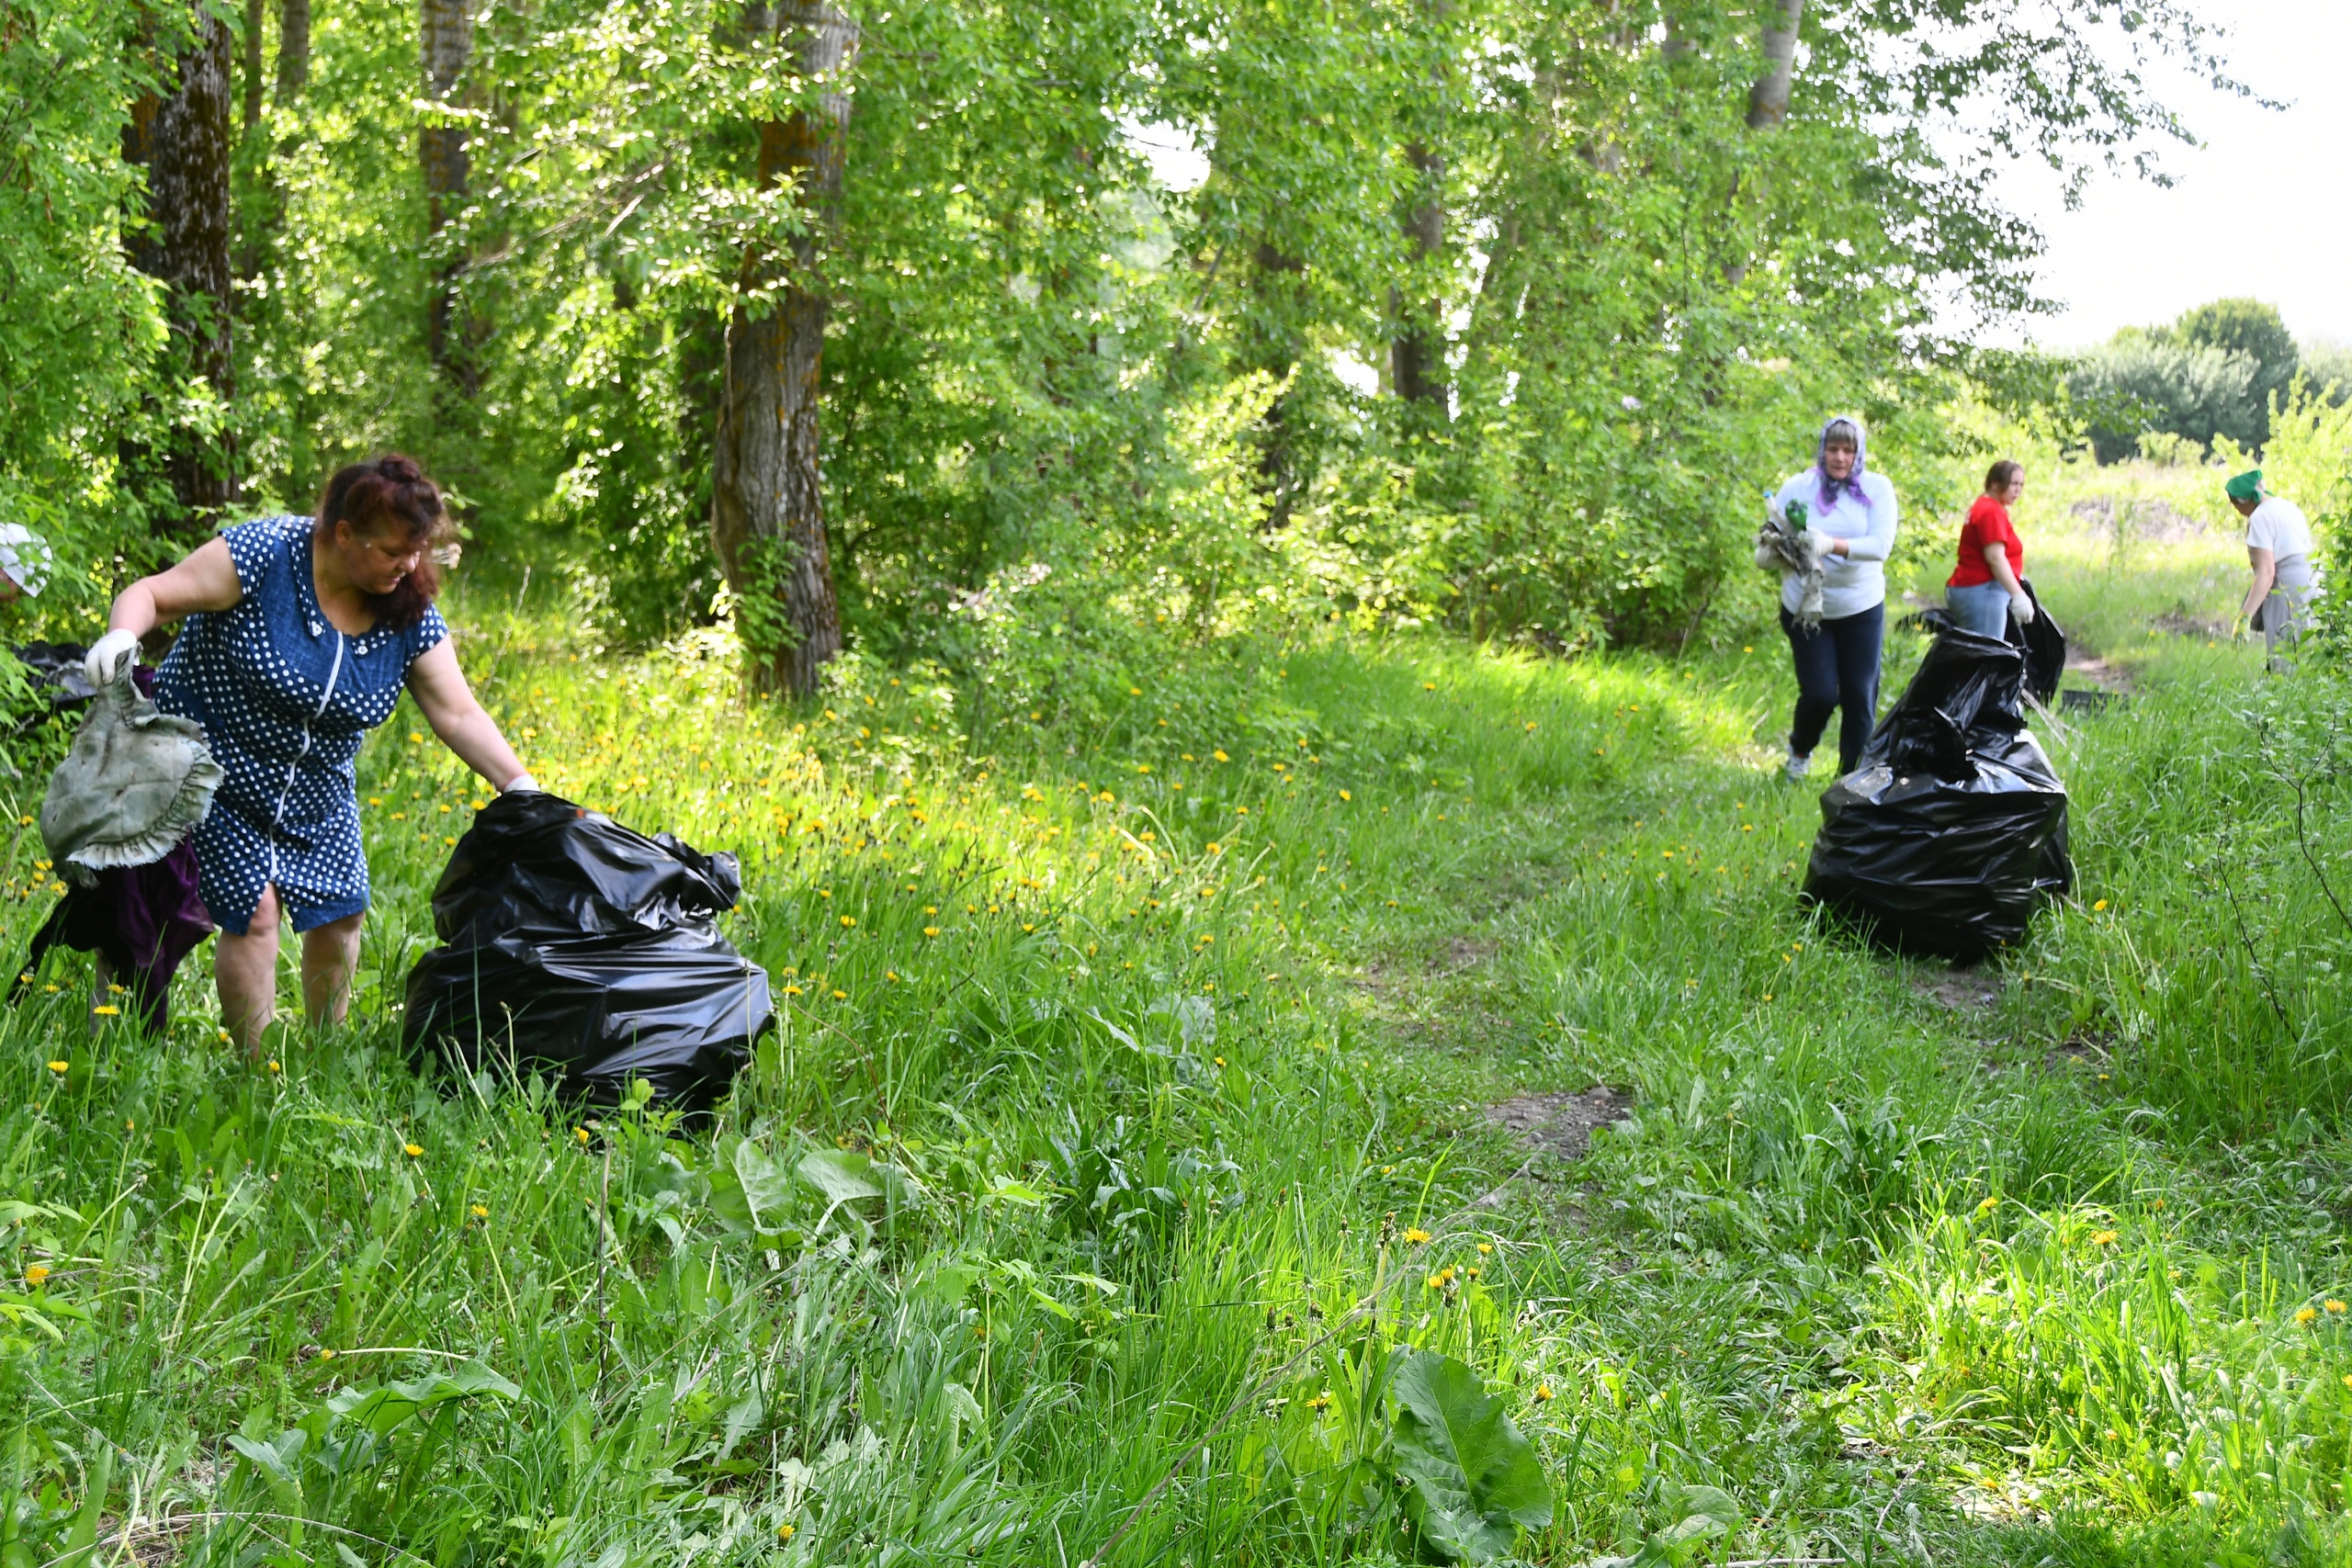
[1124,1048]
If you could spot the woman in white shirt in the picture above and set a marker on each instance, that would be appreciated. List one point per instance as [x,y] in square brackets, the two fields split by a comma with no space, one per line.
[2278,548]
[1837,661]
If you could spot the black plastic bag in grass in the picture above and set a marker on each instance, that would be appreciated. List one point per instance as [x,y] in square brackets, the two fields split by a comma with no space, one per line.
[578,946]
[1955,826]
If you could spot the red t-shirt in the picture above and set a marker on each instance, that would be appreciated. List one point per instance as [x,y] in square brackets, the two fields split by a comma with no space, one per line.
[1988,523]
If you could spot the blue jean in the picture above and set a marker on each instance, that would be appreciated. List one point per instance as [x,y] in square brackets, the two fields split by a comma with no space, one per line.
[1983,609]
[1836,668]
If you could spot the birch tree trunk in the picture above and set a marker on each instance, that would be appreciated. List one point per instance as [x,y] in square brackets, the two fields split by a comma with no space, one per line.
[1768,100]
[185,140]
[447,37]
[252,116]
[767,500]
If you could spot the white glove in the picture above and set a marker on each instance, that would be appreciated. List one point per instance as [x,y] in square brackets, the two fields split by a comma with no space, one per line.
[1766,556]
[519,782]
[2021,606]
[1818,547]
[110,658]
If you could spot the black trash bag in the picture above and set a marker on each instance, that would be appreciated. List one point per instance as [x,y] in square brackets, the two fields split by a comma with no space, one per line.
[576,945]
[2045,649]
[1955,826]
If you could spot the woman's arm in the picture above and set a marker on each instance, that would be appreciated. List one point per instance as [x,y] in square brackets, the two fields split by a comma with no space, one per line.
[1877,542]
[2266,572]
[1996,561]
[440,690]
[205,579]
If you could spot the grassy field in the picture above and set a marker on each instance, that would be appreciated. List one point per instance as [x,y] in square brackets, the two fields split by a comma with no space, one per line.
[1131,1106]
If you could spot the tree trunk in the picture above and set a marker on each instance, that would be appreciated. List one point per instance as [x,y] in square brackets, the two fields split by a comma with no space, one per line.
[293,48]
[1417,357]
[767,495]
[184,141]
[1768,100]
[253,65]
[447,36]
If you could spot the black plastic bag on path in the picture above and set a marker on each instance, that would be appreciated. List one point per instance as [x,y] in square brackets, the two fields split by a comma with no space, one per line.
[1955,826]
[578,945]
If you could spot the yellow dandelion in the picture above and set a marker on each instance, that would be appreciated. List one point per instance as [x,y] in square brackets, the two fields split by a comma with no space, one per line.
[792,990]
[931,930]
[1486,1246]
[36,1274]
[848,921]
[1988,1205]
[274,1066]
[2098,906]
[1220,755]
[784,1532]
[480,1211]
[2307,1315]
[1345,795]
[2102,1238]
[580,1133]
[59,1066]
[1543,1393]
[108,1009]
[1416,1234]
[841,995]
[413,1150]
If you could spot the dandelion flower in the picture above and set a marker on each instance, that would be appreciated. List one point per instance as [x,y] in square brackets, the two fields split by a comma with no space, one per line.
[1416,1234]
[1486,1246]
[792,990]
[1220,755]
[1345,795]
[2102,1238]
[2099,906]
[841,995]
[1429,685]
[848,921]
[931,930]
[480,1212]
[274,1066]
[2306,1316]
[580,1133]
[1543,1393]
[413,1150]
[58,1067]
[1988,1205]
[108,1009]
[36,1274]
[784,1532]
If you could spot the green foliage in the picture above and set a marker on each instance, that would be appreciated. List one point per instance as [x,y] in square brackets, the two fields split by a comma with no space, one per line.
[2212,376]
[1474,1484]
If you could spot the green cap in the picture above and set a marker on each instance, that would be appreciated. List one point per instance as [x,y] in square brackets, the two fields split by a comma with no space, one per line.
[2246,486]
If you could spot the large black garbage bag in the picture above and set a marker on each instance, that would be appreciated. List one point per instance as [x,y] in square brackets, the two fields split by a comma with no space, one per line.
[1955,826]
[576,945]
[2045,649]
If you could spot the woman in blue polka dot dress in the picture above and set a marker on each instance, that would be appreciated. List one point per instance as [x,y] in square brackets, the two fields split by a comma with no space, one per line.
[300,635]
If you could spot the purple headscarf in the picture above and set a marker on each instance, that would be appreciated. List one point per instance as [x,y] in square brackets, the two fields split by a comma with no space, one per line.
[1853,482]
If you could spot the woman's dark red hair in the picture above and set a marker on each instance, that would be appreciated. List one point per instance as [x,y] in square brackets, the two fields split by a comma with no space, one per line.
[390,495]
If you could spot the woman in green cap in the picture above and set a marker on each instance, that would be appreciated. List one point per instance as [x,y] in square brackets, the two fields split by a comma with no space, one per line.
[2278,546]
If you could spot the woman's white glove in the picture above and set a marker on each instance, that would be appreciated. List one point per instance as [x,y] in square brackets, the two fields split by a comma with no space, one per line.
[519,782]
[2021,606]
[1818,546]
[110,658]
[1766,556]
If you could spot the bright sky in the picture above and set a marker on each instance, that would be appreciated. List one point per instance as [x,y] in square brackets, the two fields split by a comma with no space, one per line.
[2263,208]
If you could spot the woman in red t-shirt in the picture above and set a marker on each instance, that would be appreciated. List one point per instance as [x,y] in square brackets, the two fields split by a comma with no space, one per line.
[1983,590]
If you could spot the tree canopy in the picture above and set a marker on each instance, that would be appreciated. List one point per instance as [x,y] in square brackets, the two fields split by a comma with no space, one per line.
[1487,311]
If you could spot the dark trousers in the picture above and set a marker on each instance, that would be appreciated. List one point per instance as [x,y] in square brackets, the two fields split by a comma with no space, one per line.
[1836,668]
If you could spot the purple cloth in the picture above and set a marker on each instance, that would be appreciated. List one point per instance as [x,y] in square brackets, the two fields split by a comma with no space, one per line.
[143,918]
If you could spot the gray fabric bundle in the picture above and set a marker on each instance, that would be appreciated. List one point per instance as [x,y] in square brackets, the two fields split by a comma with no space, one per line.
[136,780]
[1784,546]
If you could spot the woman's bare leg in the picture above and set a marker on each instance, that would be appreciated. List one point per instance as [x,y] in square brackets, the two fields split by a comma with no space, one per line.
[246,970]
[330,954]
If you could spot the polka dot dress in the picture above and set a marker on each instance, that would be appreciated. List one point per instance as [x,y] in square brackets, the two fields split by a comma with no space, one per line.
[284,699]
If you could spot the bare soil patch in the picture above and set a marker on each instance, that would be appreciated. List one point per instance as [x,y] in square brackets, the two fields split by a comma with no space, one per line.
[2180,623]
[1957,990]
[2099,672]
[1462,954]
[1561,1123]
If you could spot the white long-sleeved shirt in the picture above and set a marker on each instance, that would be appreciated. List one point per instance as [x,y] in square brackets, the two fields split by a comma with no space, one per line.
[1854,582]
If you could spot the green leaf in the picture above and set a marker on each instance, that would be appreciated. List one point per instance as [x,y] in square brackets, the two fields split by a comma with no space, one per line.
[844,1175]
[1476,1481]
[381,1410]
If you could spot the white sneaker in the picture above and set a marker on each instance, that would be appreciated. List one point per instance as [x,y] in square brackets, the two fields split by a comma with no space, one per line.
[1795,767]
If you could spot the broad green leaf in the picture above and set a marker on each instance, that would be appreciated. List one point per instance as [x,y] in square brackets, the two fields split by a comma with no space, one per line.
[844,1175]
[1476,1481]
[381,1410]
